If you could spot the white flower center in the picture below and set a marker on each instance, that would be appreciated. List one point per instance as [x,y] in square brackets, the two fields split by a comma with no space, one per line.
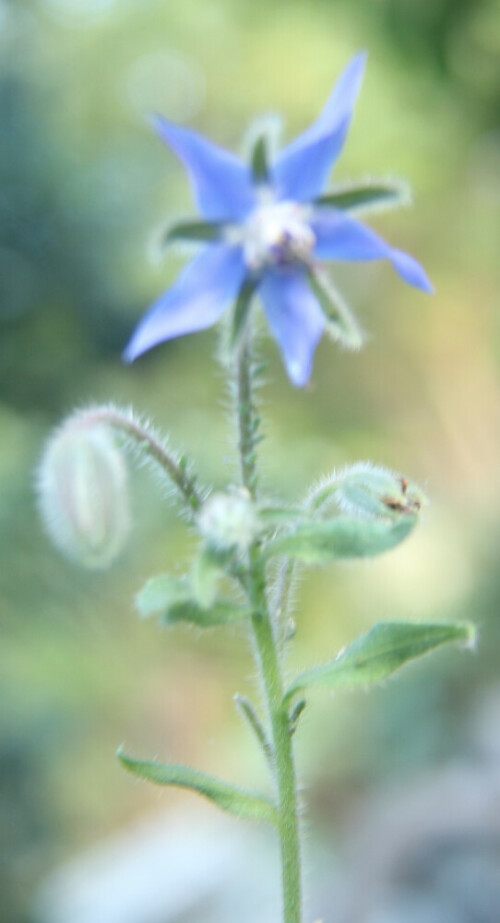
[277,233]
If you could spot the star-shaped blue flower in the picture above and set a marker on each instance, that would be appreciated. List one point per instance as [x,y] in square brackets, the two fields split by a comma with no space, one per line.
[266,229]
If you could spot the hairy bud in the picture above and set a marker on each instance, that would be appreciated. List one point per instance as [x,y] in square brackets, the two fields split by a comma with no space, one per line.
[369,490]
[228,520]
[82,493]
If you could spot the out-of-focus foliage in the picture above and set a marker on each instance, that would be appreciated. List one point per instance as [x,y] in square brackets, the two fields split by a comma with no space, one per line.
[83,181]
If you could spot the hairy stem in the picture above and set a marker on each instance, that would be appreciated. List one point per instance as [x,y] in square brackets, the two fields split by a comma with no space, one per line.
[269,663]
[146,439]
[248,421]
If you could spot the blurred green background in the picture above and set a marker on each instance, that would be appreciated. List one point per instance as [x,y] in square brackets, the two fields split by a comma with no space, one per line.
[85,188]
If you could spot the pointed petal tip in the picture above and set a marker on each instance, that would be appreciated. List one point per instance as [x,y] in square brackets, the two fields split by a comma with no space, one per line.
[298,375]
[411,271]
[360,58]
[128,356]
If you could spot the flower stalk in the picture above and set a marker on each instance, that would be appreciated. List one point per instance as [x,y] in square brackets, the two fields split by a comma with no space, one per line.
[268,661]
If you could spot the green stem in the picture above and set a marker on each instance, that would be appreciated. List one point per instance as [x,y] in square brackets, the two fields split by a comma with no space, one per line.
[269,663]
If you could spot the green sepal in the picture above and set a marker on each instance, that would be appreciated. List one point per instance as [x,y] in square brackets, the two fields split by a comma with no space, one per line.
[379,653]
[323,540]
[174,599]
[203,231]
[238,321]
[235,800]
[367,195]
[340,323]
[259,161]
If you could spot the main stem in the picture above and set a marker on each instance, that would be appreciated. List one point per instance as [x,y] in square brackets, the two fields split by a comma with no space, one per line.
[269,663]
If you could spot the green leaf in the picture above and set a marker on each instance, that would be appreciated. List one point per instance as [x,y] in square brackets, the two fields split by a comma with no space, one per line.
[385,648]
[367,195]
[174,599]
[228,797]
[323,540]
[260,161]
[341,323]
[194,230]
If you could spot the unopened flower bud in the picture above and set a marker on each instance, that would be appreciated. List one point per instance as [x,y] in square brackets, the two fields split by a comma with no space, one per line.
[228,520]
[368,490]
[82,493]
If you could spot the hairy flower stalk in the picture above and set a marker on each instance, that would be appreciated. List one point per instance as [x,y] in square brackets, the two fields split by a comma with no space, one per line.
[267,653]
[143,438]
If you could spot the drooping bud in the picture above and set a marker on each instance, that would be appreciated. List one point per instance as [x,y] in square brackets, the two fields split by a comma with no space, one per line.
[228,520]
[82,492]
[364,489]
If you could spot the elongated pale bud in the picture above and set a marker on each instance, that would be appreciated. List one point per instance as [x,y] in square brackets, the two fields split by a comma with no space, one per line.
[228,520]
[82,493]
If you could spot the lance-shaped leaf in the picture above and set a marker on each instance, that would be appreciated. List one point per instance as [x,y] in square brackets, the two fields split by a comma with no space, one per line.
[175,600]
[367,195]
[340,322]
[203,231]
[377,654]
[323,540]
[230,798]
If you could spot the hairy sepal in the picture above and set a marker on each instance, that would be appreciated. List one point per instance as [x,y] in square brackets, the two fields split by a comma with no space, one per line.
[367,195]
[340,323]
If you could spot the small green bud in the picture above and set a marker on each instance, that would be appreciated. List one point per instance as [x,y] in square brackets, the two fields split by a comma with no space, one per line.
[82,492]
[364,489]
[228,520]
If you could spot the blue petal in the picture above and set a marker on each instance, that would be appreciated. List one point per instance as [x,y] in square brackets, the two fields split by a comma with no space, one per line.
[295,318]
[195,301]
[302,169]
[340,237]
[221,183]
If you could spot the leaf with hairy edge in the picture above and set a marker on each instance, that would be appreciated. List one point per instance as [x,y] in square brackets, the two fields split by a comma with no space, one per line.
[318,542]
[228,797]
[174,599]
[203,231]
[368,195]
[377,654]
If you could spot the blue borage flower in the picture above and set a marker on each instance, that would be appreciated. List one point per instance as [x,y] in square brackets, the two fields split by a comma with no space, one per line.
[266,229]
